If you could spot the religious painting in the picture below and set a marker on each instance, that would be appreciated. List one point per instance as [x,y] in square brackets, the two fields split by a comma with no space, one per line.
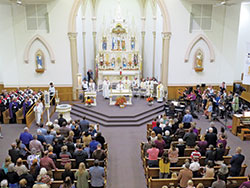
[113,62]
[39,59]
[198,61]
[123,44]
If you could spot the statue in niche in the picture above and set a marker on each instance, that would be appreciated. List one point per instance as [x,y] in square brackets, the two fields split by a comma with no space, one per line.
[118,43]
[113,62]
[123,44]
[124,62]
[39,61]
[198,63]
[104,43]
[132,43]
[113,43]
[101,59]
[135,59]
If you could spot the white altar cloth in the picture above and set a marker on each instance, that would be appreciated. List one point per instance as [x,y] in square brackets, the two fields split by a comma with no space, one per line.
[117,93]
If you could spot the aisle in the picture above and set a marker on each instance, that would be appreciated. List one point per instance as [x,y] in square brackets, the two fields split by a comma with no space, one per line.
[124,162]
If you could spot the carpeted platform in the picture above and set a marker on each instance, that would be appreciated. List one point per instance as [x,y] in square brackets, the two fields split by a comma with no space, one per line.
[132,115]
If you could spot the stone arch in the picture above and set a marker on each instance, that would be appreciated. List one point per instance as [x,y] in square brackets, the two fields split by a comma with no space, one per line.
[44,42]
[77,4]
[195,41]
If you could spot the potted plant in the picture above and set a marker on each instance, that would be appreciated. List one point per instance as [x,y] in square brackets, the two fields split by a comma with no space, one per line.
[89,101]
[120,101]
[150,101]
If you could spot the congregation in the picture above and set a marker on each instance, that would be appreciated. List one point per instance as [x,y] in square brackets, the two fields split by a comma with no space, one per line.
[177,153]
[70,153]
[17,99]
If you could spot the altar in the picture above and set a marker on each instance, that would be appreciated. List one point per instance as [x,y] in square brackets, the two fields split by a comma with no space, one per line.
[118,53]
[118,93]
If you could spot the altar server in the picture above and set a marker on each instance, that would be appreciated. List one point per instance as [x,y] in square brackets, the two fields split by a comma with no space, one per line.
[126,83]
[91,86]
[52,92]
[85,87]
[38,109]
[160,92]
[106,86]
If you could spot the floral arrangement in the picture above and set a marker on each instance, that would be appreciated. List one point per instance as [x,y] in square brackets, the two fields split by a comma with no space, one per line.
[89,101]
[150,99]
[130,63]
[120,101]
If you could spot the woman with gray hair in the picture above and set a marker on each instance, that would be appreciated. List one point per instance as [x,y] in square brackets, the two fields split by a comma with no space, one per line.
[12,176]
[33,156]
[4,184]
[43,177]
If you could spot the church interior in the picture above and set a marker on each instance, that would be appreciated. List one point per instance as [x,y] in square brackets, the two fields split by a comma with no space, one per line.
[124,93]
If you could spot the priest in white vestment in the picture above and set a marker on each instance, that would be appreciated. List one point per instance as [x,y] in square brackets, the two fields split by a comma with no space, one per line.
[160,92]
[126,83]
[135,83]
[91,86]
[143,84]
[106,86]
[38,109]
[120,86]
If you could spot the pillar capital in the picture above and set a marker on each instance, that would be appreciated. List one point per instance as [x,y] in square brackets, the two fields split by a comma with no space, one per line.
[166,35]
[143,33]
[72,35]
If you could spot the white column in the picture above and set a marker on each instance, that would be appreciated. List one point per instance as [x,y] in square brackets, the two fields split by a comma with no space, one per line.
[84,47]
[165,57]
[74,62]
[143,32]
[154,41]
[94,41]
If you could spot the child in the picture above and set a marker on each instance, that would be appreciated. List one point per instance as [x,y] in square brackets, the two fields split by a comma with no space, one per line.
[164,164]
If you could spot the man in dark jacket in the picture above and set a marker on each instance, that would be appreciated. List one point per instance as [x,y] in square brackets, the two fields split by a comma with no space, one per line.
[157,129]
[61,120]
[190,138]
[84,124]
[211,137]
[80,155]
[14,153]
[236,162]
[100,138]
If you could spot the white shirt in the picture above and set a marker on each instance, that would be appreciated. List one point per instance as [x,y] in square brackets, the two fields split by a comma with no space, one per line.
[194,166]
[52,91]
[85,85]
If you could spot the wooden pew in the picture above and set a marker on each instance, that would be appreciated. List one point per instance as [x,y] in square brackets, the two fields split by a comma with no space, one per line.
[187,151]
[57,183]
[181,160]
[19,116]
[6,116]
[207,182]
[154,172]
[57,175]
[89,163]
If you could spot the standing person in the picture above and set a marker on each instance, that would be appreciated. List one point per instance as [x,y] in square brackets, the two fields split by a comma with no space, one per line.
[96,175]
[52,92]
[185,175]
[84,124]
[85,88]
[26,137]
[91,86]
[219,183]
[106,86]
[173,154]
[164,164]
[246,184]
[38,109]
[236,162]
[90,75]
[235,103]
[82,177]
[187,119]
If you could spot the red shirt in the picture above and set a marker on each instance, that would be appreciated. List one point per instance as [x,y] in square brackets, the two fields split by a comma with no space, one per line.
[195,155]
[154,124]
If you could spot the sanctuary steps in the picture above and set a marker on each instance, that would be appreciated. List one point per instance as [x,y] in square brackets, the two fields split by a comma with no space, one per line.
[118,117]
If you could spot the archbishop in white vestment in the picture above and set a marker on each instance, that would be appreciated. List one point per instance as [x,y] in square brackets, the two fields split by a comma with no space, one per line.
[106,85]
[160,92]
[120,86]
[126,83]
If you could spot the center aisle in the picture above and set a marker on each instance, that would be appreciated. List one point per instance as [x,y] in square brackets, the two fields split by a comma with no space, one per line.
[124,162]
